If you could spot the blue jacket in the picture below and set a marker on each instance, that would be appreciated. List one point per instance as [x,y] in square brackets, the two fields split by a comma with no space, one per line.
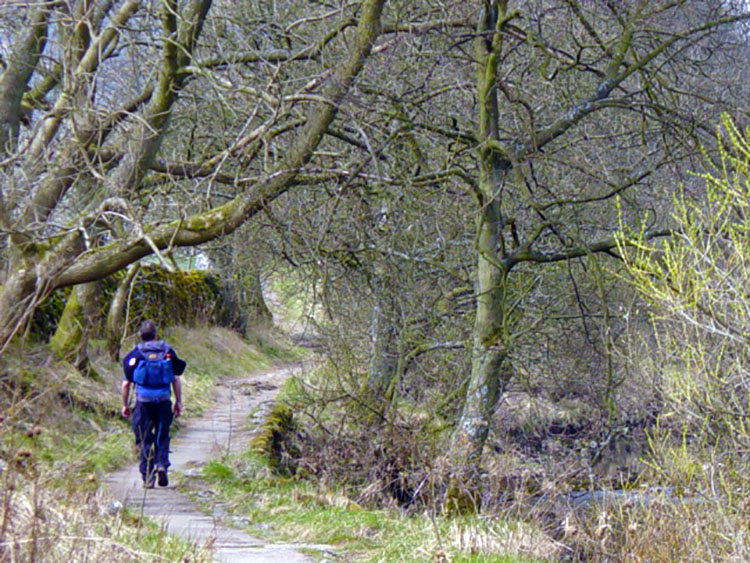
[131,361]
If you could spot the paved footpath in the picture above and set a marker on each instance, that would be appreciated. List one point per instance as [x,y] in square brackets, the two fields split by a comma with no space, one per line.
[222,430]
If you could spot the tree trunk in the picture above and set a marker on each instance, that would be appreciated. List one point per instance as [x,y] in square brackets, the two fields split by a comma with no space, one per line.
[384,336]
[15,78]
[489,347]
[116,327]
[19,296]
[70,341]
[244,304]
[258,312]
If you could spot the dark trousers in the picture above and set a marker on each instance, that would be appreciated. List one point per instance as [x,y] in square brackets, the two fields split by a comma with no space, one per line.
[151,422]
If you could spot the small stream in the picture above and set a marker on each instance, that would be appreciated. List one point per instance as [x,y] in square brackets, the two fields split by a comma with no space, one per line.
[579,500]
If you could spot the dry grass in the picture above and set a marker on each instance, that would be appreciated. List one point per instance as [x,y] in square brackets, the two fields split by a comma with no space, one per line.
[497,537]
[39,523]
[662,530]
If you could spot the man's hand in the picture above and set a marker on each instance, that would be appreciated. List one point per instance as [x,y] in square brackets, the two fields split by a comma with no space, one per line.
[125,410]
[177,386]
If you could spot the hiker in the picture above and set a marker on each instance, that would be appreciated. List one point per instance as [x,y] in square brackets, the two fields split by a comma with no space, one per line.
[154,368]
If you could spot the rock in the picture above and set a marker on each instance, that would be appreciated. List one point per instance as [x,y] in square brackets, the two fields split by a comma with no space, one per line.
[240,522]
[114,507]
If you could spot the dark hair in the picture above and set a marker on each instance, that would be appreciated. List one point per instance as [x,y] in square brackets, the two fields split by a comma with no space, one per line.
[147,330]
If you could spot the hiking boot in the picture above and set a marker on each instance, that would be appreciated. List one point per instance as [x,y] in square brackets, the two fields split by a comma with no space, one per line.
[148,482]
[161,473]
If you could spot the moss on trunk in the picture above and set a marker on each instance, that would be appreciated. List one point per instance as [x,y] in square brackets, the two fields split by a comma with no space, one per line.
[69,330]
[274,442]
[76,326]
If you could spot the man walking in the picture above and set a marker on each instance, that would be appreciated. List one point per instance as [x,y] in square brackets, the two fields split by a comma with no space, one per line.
[155,370]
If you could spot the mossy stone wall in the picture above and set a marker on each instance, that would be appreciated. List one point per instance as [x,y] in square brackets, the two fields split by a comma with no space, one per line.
[188,298]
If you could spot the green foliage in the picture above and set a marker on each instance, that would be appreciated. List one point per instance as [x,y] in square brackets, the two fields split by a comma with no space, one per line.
[180,298]
[697,283]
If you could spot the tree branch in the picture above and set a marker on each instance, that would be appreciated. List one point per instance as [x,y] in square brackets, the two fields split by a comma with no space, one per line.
[606,246]
[224,219]
[15,78]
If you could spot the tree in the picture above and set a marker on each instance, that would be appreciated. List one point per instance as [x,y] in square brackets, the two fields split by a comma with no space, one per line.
[534,120]
[80,199]
[526,212]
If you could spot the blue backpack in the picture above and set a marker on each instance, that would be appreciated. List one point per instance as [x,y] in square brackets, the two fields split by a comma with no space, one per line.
[155,369]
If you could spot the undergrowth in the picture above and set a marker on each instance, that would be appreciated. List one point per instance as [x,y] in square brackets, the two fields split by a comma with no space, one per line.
[294,509]
[61,434]
[376,491]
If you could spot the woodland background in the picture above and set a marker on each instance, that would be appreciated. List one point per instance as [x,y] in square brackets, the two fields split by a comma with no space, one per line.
[519,229]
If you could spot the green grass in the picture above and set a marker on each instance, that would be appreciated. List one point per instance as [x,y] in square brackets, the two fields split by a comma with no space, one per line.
[151,538]
[72,446]
[60,478]
[94,453]
[218,471]
[295,510]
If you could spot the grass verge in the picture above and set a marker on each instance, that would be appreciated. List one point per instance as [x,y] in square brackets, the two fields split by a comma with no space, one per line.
[283,509]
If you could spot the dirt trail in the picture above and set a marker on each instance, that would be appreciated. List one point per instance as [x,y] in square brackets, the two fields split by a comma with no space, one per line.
[219,431]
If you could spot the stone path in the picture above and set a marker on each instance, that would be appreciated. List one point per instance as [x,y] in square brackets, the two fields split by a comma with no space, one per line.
[220,431]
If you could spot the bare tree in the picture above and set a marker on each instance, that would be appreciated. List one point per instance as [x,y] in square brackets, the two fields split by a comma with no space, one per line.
[630,63]
[548,123]
[88,183]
